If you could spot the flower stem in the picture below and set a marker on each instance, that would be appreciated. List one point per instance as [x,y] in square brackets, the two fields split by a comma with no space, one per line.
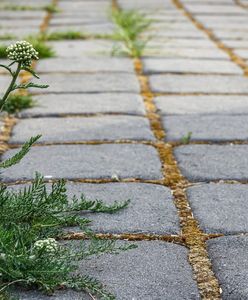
[10,88]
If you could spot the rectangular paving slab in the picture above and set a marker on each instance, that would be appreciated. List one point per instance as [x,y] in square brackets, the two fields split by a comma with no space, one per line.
[159,65]
[207,104]
[220,208]
[185,53]
[83,129]
[74,104]
[213,162]
[89,83]
[206,127]
[151,208]
[87,161]
[230,264]
[154,270]
[81,48]
[208,84]
[86,64]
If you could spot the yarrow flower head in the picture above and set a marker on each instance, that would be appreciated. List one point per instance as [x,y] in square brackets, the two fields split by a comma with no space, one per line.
[22,52]
[49,245]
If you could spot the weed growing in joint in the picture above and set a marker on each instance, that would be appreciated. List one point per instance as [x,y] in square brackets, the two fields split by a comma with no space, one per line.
[130,26]
[186,138]
[44,50]
[66,35]
[34,217]
[51,8]
[17,102]
[7,36]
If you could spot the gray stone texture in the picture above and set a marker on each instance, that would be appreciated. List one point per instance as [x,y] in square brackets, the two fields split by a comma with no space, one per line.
[208,104]
[85,65]
[87,161]
[200,66]
[216,84]
[213,162]
[207,127]
[230,264]
[151,208]
[89,83]
[136,274]
[220,208]
[194,53]
[83,129]
[55,104]
[79,48]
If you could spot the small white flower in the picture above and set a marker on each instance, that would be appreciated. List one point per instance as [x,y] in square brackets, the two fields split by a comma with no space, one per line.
[23,52]
[50,245]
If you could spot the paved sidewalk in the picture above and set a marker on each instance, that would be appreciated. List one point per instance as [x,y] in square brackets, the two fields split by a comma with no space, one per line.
[114,138]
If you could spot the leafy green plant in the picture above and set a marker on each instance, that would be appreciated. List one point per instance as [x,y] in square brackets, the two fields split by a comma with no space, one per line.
[19,7]
[186,138]
[66,35]
[129,27]
[51,8]
[3,53]
[7,36]
[33,218]
[17,102]
[44,50]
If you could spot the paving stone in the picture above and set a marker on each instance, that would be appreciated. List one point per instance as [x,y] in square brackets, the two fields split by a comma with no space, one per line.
[87,161]
[79,19]
[151,209]
[230,264]
[20,23]
[181,43]
[170,33]
[242,52]
[220,208]
[105,28]
[221,19]
[25,14]
[86,64]
[202,104]
[19,32]
[206,127]
[74,104]
[199,84]
[236,43]
[146,4]
[83,129]
[158,65]
[216,9]
[232,35]
[213,162]
[82,48]
[89,83]
[4,82]
[185,53]
[161,272]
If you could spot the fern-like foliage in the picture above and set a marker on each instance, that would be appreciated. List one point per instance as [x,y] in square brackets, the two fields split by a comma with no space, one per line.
[38,212]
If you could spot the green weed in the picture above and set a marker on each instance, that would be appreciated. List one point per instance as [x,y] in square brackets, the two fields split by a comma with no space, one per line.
[66,35]
[17,102]
[44,50]
[186,139]
[129,27]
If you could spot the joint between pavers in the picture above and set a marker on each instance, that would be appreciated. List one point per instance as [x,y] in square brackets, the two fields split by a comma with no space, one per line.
[194,238]
[239,61]
[241,4]
[177,239]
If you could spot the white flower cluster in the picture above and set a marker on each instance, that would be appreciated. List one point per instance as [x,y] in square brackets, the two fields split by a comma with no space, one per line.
[23,52]
[50,245]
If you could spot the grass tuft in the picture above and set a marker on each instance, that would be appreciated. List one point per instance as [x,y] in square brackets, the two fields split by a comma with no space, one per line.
[186,138]
[66,35]
[51,8]
[44,50]
[16,103]
[129,27]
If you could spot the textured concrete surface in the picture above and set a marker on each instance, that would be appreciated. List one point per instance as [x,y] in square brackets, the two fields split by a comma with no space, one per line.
[215,84]
[87,161]
[213,162]
[170,279]
[220,208]
[74,104]
[89,83]
[223,127]
[229,258]
[83,129]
